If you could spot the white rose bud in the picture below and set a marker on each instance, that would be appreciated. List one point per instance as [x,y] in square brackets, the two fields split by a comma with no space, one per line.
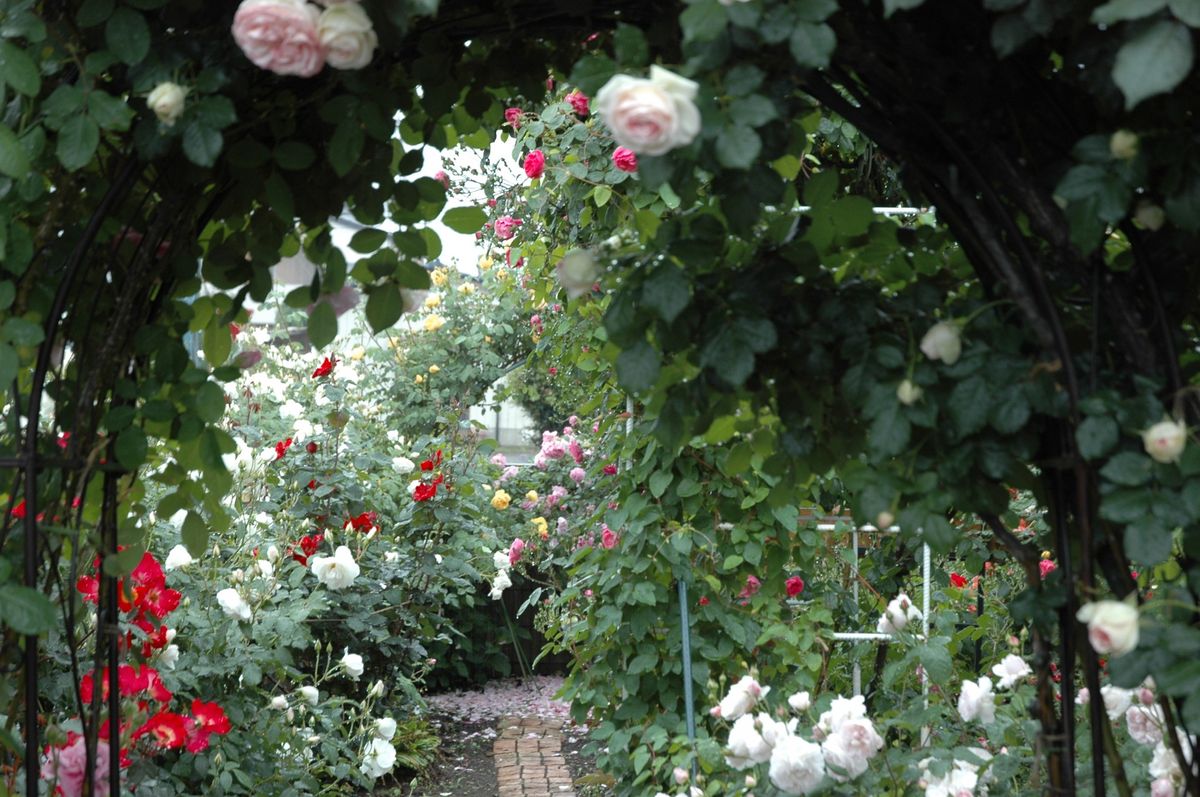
[650,116]
[376,690]
[347,35]
[577,272]
[279,702]
[1112,626]
[801,701]
[1149,215]
[1165,440]
[908,393]
[1123,145]
[943,342]
[751,781]
[385,728]
[291,715]
[884,520]
[352,663]
[272,554]
[167,101]
[681,776]
[310,694]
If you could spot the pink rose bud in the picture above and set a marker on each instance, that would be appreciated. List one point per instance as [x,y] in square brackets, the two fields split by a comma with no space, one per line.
[624,159]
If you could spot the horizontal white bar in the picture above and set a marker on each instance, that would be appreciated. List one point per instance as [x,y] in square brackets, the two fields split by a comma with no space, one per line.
[866,528]
[865,636]
[898,211]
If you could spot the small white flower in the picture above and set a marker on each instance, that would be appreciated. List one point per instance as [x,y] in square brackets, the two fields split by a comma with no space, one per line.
[976,701]
[1165,441]
[352,663]
[291,409]
[1116,701]
[168,656]
[266,568]
[943,342]
[178,558]
[742,697]
[746,745]
[379,758]
[908,393]
[233,604]
[167,102]
[338,571]
[376,690]
[797,765]
[403,465]
[800,701]
[272,554]
[1010,670]
[310,694]
[279,703]
[385,728]
[1112,625]
[500,583]
[391,556]
[899,613]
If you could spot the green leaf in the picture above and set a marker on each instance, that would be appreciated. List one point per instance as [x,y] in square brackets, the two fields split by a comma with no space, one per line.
[1011,410]
[93,12]
[890,431]
[14,162]
[638,367]
[210,402]
[195,534]
[667,292]
[368,240]
[132,447]
[295,155]
[970,404]
[703,21]
[1148,543]
[1188,11]
[738,146]
[851,215]
[659,482]
[385,305]
[18,70]
[345,147]
[9,364]
[77,142]
[935,658]
[217,344]
[1128,469]
[215,111]
[322,324]
[1096,436]
[26,610]
[201,143]
[111,113]
[591,72]
[1154,61]
[1127,505]
[601,194]
[629,43]
[465,220]
[128,35]
[1119,10]
[812,44]
[279,196]
[22,332]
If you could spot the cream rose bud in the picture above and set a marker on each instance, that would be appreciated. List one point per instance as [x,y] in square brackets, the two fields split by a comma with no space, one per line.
[908,393]
[576,272]
[167,102]
[1112,626]
[310,695]
[650,116]
[279,702]
[943,342]
[346,33]
[376,690]
[352,663]
[1165,440]
[884,520]
[800,701]
[1149,215]
[1123,145]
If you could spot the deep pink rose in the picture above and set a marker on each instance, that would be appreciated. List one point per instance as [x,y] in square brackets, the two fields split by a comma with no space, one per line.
[443,178]
[513,117]
[515,550]
[752,586]
[68,764]
[535,164]
[280,36]
[609,538]
[1046,567]
[610,470]
[794,586]
[579,102]
[624,159]
[506,227]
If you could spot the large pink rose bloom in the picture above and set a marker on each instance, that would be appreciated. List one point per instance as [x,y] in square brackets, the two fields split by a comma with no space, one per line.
[67,766]
[650,116]
[280,36]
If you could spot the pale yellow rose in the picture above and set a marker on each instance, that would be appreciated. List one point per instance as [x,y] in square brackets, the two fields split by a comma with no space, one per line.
[501,499]
[433,323]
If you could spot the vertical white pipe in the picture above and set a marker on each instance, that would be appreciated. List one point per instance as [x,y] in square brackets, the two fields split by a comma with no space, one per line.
[925,732]
[854,578]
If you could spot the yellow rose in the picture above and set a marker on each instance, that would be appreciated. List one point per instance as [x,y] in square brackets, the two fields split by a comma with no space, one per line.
[433,300]
[439,277]
[433,323]
[485,263]
[501,274]
[531,496]
[466,288]
[487,338]
[501,499]
[357,353]
[541,526]
[433,369]
[419,379]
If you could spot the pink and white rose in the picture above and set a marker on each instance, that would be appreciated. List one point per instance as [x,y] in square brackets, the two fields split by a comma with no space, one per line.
[1112,626]
[650,116]
[280,36]
[347,35]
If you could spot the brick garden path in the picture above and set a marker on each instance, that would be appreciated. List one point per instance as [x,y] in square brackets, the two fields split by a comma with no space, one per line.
[529,760]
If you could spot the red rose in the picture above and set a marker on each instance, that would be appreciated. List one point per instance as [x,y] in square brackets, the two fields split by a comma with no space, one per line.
[311,448]
[958,581]
[704,600]
[325,368]
[281,448]
[624,159]
[424,492]
[610,470]
[579,102]
[794,586]
[427,465]
[166,728]
[535,164]
[513,117]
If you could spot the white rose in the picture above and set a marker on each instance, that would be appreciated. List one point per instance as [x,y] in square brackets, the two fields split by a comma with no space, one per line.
[385,728]
[347,35]
[741,698]
[797,766]
[272,554]
[1112,626]
[848,750]
[352,663]
[1010,670]
[376,690]
[291,409]
[233,604]
[500,583]
[908,393]
[310,694]
[178,558]
[943,342]
[279,703]
[168,656]
[266,568]
[899,613]
[841,710]
[167,101]
[1116,701]
[1145,724]
[392,556]
[500,560]
[1164,441]
[378,759]
[403,465]
[746,745]
[976,701]
[576,272]
[1162,787]
[800,701]
[337,571]
[1149,215]
[650,116]
[955,783]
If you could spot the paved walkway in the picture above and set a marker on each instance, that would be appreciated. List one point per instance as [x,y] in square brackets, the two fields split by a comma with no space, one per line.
[529,760]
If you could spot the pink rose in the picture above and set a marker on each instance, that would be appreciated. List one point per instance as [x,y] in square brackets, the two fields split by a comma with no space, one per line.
[506,227]
[515,550]
[752,586]
[579,102]
[1046,567]
[610,470]
[280,36]
[576,452]
[513,117]
[578,475]
[609,538]
[650,116]
[68,764]
[535,164]
[624,159]
[443,178]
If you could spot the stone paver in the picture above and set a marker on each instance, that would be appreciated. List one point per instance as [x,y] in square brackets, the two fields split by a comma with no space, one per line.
[529,760]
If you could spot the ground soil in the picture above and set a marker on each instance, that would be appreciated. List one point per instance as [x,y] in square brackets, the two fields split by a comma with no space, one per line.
[464,767]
